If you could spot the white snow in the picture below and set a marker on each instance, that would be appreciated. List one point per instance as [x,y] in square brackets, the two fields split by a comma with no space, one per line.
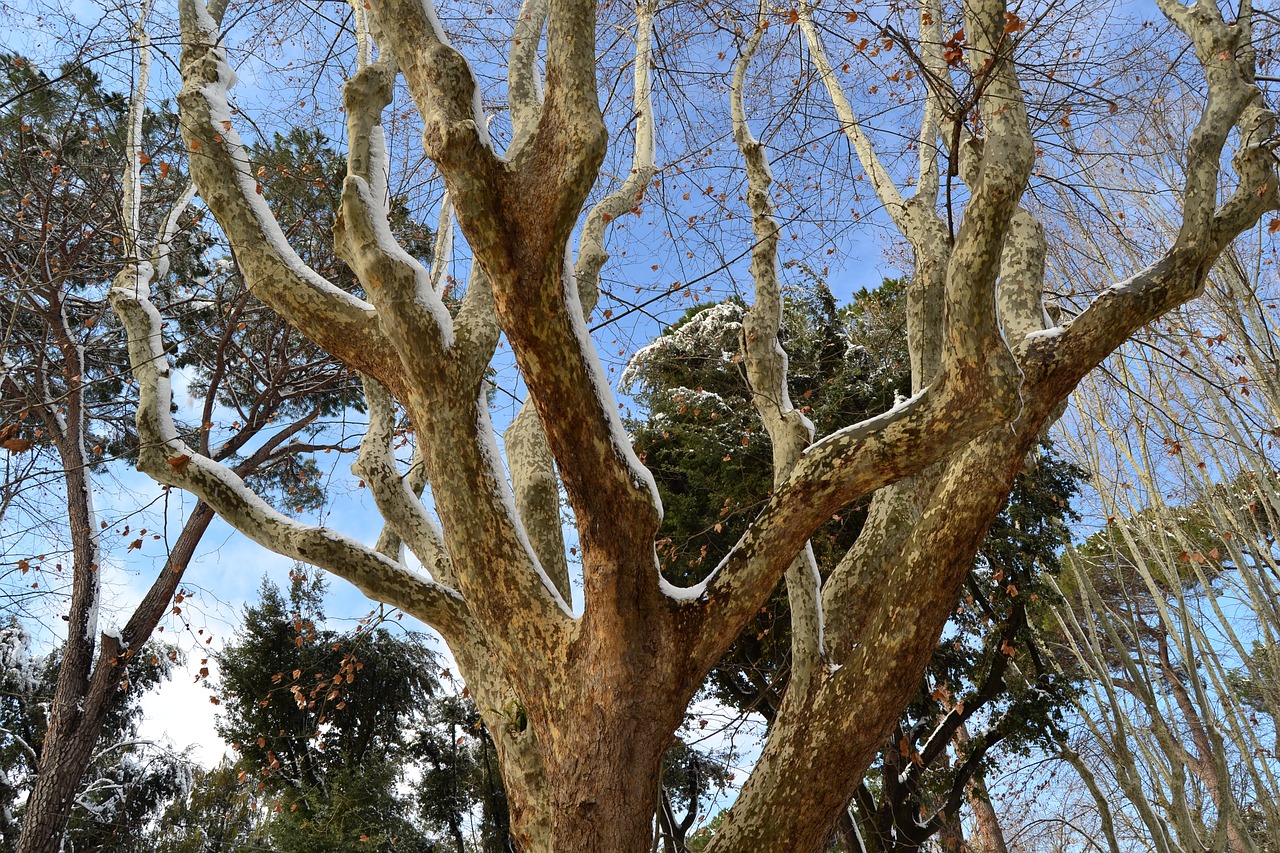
[870,424]
[714,329]
[683,593]
[425,295]
[600,385]
[501,489]
[1046,334]
[215,94]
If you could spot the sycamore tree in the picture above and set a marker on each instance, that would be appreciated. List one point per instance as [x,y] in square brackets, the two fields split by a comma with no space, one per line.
[583,703]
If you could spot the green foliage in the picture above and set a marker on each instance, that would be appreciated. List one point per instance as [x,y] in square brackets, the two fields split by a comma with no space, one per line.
[1138,564]
[255,365]
[217,815]
[699,840]
[972,697]
[1008,595]
[329,726]
[708,452]
[712,461]
[459,772]
[62,155]
[1257,681]
[1179,545]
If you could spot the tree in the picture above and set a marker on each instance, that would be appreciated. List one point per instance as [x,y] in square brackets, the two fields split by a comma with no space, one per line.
[328,726]
[1174,591]
[218,814]
[127,780]
[582,706]
[66,141]
[701,441]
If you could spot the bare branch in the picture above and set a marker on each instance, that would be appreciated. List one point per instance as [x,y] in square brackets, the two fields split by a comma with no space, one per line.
[790,432]
[881,181]
[397,496]
[340,323]
[524,79]
[168,460]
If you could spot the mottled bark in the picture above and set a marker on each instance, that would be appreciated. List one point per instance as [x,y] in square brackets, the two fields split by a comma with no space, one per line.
[583,706]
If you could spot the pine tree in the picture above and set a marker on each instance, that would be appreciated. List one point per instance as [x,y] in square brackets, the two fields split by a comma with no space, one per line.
[329,726]
[128,780]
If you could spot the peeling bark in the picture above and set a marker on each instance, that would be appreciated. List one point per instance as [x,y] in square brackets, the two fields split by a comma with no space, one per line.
[584,706]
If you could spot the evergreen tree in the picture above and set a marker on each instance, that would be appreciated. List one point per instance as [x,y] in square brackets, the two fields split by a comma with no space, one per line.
[66,410]
[218,814]
[708,452]
[63,145]
[347,739]
[128,781]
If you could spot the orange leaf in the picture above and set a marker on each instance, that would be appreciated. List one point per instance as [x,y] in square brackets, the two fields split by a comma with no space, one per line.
[179,463]
[793,17]
[16,445]
[851,18]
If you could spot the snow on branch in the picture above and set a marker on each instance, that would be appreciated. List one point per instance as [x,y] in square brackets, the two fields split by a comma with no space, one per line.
[397,496]
[168,460]
[1234,104]
[790,432]
[342,324]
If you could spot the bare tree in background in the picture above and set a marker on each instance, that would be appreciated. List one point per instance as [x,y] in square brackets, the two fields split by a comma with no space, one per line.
[583,705]
[1173,616]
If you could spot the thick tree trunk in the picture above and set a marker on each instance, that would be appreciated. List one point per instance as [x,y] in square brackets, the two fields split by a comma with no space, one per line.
[594,698]
[604,758]
[595,788]
[604,802]
[990,833]
[951,836]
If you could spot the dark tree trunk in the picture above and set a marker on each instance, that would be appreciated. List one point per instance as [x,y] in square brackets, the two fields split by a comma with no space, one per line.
[83,699]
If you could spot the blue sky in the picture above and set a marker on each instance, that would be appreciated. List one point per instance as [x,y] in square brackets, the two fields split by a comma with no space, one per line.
[683,233]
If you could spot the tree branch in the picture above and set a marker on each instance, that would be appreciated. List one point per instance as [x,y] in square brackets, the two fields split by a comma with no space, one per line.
[163,455]
[790,432]
[340,323]
[397,496]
